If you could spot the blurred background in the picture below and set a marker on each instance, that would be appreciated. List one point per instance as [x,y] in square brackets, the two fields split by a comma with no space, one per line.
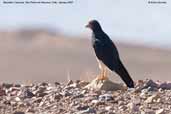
[49,42]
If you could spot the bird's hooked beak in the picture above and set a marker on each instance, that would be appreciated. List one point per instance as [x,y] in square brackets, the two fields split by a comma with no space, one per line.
[88,26]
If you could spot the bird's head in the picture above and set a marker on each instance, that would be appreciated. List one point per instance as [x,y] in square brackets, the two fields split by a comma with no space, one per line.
[94,25]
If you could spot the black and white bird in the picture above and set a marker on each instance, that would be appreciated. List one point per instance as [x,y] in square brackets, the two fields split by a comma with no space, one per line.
[107,54]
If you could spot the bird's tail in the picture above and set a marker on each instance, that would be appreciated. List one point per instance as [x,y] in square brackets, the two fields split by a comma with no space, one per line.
[123,73]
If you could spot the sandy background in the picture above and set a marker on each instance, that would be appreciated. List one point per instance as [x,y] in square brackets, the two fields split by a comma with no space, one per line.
[40,55]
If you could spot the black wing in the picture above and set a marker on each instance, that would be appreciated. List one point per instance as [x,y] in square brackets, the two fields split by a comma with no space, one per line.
[107,52]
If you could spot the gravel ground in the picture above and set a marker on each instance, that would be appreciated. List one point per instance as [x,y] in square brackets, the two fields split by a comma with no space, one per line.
[148,97]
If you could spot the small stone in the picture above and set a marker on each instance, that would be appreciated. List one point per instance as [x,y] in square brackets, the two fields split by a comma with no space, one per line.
[44,84]
[6,85]
[136,101]
[120,103]
[145,91]
[17,85]
[65,93]
[74,85]
[140,82]
[28,94]
[17,99]
[2,92]
[160,111]
[58,96]
[83,83]
[41,104]
[13,103]
[82,107]
[42,94]
[84,91]
[108,108]
[151,98]
[70,82]
[89,110]
[106,97]
[57,83]
[115,94]
[142,112]
[158,100]
[150,83]
[30,110]
[143,95]
[37,100]
[74,104]
[95,101]
[149,111]
[165,85]
[133,107]
[102,111]
[49,88]
[18,112]
[123,107]
[78,96]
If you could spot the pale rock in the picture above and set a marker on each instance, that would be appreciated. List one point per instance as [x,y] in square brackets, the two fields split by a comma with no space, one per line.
[83,91]
[133,107]
[41,104]
[160,111]
[152,98]
[119,98]
[149,111]
[121,103]
[49,88]
[106,85]
[13,103]
[160,90]
[158,100]
[83,83]
[141,107]
[122,108]
[116,93]
[145,91]
[95,101]
[87,111]
[143,95]
[136,100]
[108,108]
[65,93]
[17,99]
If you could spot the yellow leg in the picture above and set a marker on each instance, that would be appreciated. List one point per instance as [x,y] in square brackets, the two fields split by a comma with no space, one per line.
[103,73]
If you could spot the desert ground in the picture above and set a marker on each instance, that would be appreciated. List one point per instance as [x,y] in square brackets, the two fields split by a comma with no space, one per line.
[40,55]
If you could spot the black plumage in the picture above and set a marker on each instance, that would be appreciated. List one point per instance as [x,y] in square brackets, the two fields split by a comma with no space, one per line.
[107,52]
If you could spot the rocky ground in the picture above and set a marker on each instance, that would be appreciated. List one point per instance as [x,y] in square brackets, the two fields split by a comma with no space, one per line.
[148,97]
